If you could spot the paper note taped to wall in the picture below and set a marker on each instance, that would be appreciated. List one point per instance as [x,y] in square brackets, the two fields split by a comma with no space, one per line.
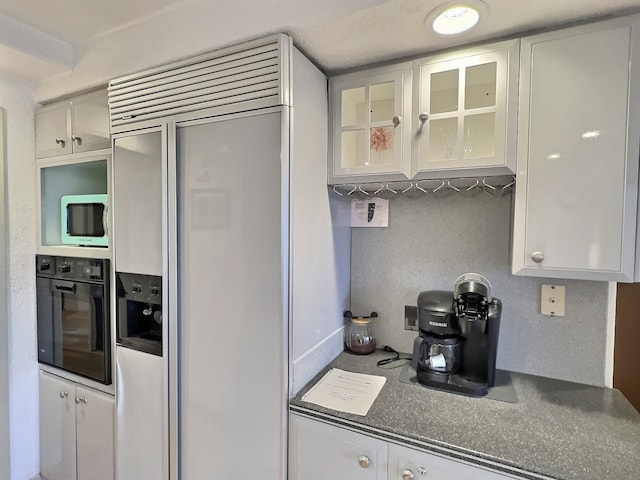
[373,212]
[346,391]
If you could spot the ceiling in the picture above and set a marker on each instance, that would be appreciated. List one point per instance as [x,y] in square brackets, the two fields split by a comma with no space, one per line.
[41,40]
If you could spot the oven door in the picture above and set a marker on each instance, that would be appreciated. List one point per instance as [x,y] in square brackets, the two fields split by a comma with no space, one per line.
[73,328]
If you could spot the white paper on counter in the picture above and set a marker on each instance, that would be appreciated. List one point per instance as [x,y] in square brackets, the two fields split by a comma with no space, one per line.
[373,212]
[346,391]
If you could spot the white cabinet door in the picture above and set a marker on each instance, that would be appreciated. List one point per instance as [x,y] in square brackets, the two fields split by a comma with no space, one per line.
[57,428]
[73,126]
[371,127]
[407,463]
[575,204]
[90,122]
[94,435]
[464,117]
[52,130]
[138,163]
[321,452]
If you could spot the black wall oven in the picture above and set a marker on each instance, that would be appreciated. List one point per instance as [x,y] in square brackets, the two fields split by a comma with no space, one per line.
[74,331]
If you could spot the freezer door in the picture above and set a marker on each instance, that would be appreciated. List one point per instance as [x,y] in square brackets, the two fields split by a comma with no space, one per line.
[232,231]
[141,412]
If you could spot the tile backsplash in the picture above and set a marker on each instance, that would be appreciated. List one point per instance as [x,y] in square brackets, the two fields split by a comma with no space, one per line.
[431,241]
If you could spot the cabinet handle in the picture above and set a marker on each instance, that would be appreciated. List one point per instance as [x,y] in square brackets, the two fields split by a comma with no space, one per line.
[77,139]
[397,120]
[407,475]
[84,400]
[422,472]
[60,141]
[64,394]
[364,461]
[423,117]
[537,257]
[77,399]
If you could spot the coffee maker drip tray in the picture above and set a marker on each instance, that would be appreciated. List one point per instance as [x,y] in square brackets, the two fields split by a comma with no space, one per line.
[458,383]
[502,390]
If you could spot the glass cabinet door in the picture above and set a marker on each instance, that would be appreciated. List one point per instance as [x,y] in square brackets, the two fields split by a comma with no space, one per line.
[369,137]
[462,111]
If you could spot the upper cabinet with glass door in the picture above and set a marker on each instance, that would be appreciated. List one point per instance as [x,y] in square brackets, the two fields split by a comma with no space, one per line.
[370,126]
[465,108]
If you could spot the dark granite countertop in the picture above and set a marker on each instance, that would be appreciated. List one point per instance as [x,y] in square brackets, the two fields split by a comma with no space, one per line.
[558,429]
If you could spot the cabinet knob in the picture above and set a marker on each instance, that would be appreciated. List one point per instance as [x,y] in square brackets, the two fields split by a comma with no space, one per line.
[422,471]
[77,139]
[60,141]
[77,399]
[537,257]
[64,394]
[407,475]
[364,461]
[397,120]
[84,400]
[423,117]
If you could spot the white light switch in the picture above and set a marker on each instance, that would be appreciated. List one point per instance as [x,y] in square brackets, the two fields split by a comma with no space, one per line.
[552,300]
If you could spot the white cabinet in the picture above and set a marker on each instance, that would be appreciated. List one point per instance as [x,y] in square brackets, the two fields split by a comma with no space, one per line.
[138,163]
[465,107]
[73,151]
[319,451]
[577,179]
[370,131]
[57,428]
[76,125]
[448,115]
[76,431]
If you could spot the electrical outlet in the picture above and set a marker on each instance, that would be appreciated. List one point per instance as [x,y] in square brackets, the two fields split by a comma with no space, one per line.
[410,317]
[552,300]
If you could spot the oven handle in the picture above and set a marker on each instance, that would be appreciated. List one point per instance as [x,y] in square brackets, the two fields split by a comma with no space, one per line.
[71,287]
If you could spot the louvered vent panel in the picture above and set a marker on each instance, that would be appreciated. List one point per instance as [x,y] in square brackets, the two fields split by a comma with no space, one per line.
[235,75]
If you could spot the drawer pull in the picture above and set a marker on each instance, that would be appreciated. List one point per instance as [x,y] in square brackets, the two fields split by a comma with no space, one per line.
[407,475]
[364,461]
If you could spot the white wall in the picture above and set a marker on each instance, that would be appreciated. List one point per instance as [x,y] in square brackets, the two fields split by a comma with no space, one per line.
[20,343]
[430,242]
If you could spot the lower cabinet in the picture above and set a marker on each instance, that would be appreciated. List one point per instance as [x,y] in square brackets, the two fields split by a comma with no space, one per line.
[319,451]
[76,431]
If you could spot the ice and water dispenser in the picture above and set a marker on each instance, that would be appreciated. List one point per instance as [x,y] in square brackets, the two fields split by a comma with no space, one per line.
[139,312]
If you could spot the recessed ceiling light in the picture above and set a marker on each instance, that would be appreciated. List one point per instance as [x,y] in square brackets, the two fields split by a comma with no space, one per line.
[454,18]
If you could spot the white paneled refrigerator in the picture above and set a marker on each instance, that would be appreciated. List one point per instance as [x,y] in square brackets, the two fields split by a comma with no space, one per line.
[232,299]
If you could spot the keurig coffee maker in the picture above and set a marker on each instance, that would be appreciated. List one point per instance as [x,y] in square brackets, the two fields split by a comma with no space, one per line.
[458,341]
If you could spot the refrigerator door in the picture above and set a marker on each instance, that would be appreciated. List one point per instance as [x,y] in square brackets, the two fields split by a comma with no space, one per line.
[232,278]
[141,409]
